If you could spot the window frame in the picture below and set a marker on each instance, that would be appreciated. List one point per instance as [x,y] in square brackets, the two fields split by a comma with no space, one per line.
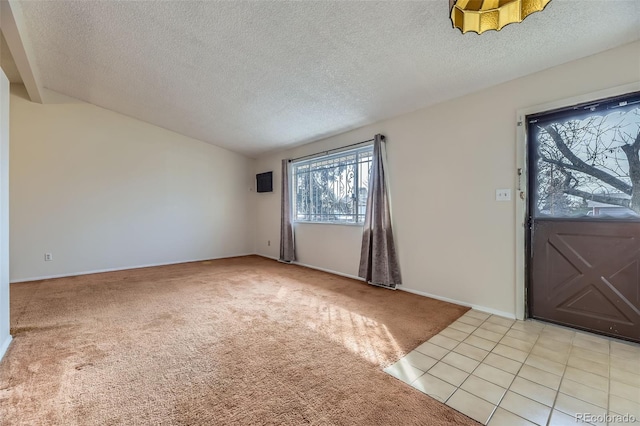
[368,148]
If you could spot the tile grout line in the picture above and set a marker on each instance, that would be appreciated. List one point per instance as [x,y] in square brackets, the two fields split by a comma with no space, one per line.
[539,332]
[516,374]
[507,389]
[609,383]
[495,407]
[564,370]
[514,378]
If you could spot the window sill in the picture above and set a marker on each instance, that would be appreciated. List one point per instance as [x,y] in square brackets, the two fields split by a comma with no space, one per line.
[328,223]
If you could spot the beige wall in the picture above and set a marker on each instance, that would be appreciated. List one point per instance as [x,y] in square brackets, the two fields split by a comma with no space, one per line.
[102,191]
[445,163]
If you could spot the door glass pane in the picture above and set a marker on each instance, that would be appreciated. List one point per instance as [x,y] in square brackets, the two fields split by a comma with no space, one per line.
[586,161]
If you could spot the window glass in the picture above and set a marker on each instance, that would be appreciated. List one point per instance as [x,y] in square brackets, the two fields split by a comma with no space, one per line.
[332,188]
[586,160]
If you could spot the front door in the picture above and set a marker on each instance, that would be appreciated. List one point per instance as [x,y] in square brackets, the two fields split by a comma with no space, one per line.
[584,217]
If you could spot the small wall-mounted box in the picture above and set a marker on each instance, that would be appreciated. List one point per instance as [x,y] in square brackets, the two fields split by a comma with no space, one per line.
[264,182]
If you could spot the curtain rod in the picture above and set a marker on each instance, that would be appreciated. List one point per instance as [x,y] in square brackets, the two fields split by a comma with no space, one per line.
[334,149]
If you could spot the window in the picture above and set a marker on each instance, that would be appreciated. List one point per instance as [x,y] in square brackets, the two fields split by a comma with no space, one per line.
[332,188]
[585,160]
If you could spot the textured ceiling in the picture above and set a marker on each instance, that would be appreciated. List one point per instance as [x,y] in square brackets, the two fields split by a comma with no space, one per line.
[257,76]
[7,63]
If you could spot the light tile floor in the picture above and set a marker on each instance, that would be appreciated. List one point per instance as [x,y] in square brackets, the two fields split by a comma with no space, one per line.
[504,372]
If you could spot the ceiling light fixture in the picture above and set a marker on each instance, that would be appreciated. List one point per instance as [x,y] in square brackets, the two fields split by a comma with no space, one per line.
[483,15]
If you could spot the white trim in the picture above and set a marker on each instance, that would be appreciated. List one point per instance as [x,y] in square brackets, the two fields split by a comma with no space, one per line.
[408,290]
[267,256]
[308,222]
[457,302]
[5,345]
[99,271]
[521,163]
[5,299]
[304,265]
[354,277]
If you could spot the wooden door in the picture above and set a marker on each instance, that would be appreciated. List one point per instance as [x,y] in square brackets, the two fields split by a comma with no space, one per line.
[584,217]
[586,274]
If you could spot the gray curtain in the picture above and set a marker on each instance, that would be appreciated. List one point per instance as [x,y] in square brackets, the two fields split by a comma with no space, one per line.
[378,259]
[287,246]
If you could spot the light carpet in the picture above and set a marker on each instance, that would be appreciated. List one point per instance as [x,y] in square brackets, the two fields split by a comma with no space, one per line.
[235,341]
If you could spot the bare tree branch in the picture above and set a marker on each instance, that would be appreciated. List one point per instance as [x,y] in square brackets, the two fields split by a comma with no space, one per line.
[600,198]
[632,153]
[562,164]
[581,166]
[633,156]
[568,166]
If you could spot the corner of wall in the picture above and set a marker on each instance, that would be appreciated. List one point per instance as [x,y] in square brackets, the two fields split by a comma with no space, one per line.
[5,337]
[4,346]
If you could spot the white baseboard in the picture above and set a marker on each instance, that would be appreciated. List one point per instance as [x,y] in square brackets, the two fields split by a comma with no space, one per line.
[267,256]
[409,290]
[420,293]
[353,277]
[492,311]
[99,271]
[317,268]
[5,345]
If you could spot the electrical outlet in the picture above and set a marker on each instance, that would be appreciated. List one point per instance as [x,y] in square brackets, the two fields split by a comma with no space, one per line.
[48,257]
[269,243]
[503,195]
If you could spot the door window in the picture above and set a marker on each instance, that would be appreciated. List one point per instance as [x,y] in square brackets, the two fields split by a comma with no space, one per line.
[586,161]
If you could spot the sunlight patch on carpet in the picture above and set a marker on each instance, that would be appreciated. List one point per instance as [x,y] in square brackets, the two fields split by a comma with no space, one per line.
[358,333]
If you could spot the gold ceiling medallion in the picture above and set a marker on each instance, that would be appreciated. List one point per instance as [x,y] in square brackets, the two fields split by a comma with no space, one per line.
[483,15]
